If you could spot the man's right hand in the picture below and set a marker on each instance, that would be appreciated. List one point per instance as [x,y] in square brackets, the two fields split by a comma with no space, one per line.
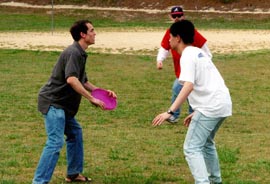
[159,65]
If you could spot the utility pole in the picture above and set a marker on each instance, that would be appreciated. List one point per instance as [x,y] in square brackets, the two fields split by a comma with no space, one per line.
[52,16]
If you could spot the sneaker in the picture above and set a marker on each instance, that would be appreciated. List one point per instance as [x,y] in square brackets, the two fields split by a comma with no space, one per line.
[172,120]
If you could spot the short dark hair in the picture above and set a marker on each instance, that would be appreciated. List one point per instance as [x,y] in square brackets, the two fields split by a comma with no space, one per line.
[185,29]
[78,27]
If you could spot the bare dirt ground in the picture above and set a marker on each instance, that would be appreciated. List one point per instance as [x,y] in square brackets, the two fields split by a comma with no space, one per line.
[219,41]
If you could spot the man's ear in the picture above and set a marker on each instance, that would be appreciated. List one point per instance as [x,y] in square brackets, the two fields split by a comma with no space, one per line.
[179,38]
[82,35]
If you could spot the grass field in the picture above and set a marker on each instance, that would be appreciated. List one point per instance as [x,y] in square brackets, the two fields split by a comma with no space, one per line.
[121,146]
[27,19]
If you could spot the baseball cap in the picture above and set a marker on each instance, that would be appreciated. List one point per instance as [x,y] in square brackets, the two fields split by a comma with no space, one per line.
[177,10]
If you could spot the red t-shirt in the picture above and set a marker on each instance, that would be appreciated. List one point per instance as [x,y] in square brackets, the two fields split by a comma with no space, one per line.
[199,41]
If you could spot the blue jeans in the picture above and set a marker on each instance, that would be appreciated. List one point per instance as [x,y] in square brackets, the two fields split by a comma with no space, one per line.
[200,150]
[57,125]
[175,91]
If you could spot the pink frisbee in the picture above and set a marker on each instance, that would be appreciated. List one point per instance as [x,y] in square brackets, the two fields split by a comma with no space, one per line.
[103,95]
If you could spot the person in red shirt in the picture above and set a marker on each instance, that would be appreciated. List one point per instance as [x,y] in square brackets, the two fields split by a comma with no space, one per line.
[176,15]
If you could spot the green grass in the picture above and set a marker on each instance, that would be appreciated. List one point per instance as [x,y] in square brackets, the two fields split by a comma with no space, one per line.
[121,146]
[14,19]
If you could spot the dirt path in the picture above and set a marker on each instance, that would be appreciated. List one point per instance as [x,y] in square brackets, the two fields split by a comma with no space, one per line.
[219,41]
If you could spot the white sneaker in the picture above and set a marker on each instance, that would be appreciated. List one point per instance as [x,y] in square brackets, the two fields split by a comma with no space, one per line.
[172,120]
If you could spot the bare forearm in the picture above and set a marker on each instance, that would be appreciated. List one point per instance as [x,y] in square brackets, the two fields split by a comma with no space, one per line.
[79,88]
[89,86]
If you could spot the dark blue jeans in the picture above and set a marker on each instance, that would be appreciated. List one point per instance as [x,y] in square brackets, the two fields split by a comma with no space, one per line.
[175,91]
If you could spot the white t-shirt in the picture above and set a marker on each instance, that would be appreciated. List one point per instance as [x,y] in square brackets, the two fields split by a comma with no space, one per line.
[210,96]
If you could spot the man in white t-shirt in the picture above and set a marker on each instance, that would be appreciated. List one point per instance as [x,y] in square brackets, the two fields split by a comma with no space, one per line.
[208,96]
[177,14]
